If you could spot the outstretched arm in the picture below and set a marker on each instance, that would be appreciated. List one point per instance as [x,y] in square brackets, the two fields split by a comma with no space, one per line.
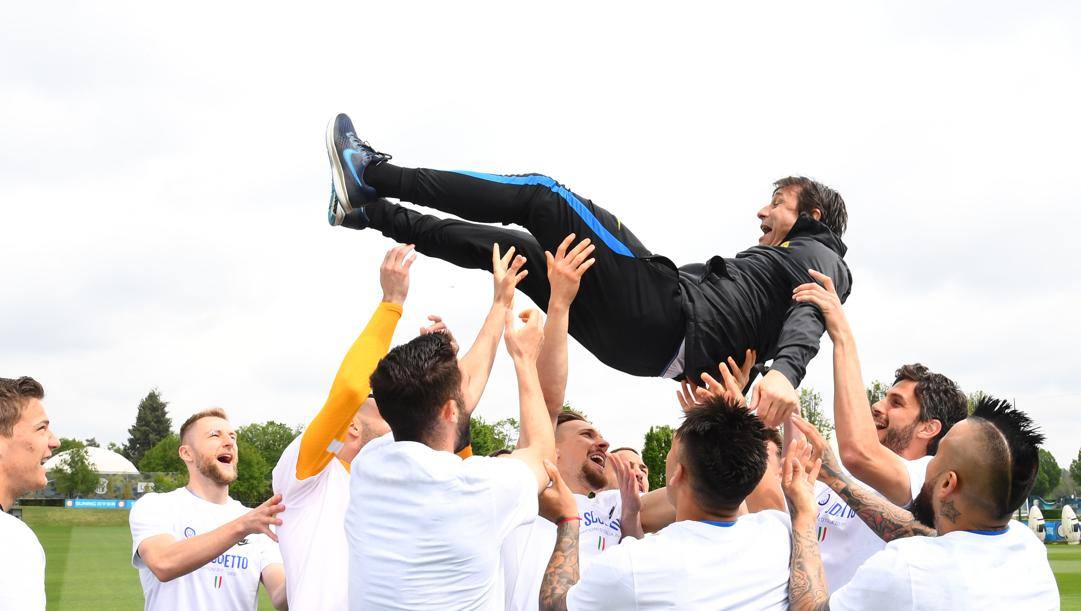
[558,506]
[857,439]
[351,387]
[565,271]
[536,438]
[807,587]
[887,520]
[507,272]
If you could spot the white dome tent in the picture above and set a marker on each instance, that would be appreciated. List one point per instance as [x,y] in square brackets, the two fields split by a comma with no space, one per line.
[102,461]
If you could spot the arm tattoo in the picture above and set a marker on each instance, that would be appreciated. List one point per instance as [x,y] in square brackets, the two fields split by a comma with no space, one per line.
[807,583]
[887,520]
[562,571]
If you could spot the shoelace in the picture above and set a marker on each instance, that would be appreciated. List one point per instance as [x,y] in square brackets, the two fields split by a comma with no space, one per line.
[357,143]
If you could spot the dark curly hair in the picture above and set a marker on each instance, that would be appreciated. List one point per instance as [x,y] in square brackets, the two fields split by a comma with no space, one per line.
[939,397]
[412,383]
[814,195]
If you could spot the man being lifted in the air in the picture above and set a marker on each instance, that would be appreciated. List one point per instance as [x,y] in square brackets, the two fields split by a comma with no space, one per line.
[636,311]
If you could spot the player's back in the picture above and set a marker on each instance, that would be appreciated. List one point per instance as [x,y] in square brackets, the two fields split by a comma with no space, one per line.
[694,565]
[425,527]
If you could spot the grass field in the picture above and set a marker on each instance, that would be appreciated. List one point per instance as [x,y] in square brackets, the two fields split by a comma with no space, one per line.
[88,559]
[89,564]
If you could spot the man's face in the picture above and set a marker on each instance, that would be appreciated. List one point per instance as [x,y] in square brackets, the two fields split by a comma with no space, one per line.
[777,217]
[582,451]
[925,506]
[896,416]
[639,468]
[23,455]
[212,442]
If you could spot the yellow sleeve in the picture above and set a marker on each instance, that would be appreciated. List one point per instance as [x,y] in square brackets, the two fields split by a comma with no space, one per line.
[349,390]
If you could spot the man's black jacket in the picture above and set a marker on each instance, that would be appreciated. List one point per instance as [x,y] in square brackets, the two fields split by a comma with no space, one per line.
[746,302]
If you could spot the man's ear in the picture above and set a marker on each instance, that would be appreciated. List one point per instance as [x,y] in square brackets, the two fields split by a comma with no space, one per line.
[928,429]
[949,484]
[677,475]
[449,411]
[816,214]
[186,454]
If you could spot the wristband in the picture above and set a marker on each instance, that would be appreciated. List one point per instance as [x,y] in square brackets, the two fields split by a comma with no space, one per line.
[563,521]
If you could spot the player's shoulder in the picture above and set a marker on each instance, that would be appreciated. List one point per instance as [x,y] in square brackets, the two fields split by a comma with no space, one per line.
[17,532]
[160,500]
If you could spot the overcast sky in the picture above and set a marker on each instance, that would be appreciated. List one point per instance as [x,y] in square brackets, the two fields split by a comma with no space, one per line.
[163,183]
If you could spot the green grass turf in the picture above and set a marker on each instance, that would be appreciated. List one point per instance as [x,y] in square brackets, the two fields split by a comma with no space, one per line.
[1066,563]
[88,564]
[88,559]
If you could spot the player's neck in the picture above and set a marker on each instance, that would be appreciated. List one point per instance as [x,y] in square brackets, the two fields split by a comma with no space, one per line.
[914,451]
[577,483]
[688,509]
[7,497]
[209,491]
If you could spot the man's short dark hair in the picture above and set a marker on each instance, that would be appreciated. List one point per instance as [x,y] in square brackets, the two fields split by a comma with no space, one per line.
[213,412]
[939,397]
[723,449]
[569,415]
[15,395]
[624,449]
[774,435]
[814,195]
[1018,460]
[412,383]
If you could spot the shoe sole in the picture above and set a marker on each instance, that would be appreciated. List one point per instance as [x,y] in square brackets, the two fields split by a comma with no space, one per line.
[337,172]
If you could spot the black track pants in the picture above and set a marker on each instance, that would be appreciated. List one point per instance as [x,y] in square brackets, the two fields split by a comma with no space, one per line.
[628,311]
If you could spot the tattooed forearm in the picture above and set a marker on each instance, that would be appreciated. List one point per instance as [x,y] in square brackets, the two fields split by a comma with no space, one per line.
[887,520]
[562,571]
[807,587]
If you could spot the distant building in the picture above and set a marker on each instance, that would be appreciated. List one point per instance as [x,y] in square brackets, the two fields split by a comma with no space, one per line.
[102,461]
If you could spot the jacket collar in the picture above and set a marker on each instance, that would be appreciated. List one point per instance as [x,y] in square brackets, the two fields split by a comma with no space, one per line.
[807,227]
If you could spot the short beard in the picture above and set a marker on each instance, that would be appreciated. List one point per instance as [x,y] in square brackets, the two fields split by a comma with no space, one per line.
[922,509]
[464,438]
[897,440]
[596,481]
[212,470]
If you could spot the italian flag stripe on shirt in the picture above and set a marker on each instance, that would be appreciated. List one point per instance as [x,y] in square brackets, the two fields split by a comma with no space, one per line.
[600,543]
[821,534]
[217,582]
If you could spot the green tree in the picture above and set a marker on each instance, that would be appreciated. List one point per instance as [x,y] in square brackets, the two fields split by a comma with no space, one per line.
[167,482]
[658,441]
[488,437]
[810,407]
[876,391]
[1048,475]
[115,447]
[91,442]
[1075,469]
[76,477]
[152,424]
[269,438]
[68,443]
[252,485]
[164,457]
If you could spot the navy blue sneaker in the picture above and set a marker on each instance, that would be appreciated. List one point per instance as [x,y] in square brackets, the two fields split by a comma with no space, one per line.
[349,156]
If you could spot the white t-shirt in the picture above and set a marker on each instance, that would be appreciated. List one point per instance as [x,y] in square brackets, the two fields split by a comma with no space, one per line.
[425,527]
[22,566]
[312,534]
[230,581]
[694,565]
[528,549]
[844,540]
[957,571]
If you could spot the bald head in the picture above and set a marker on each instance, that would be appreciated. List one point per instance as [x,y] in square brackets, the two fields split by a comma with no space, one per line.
[989,461]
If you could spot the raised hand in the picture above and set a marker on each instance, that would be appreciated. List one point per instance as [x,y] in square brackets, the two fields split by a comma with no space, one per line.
[831,466]
[507,272]
[438,326]
[260,519]
[524,343]
[394,273]
[798,475]
[774,399]
[565,269]
[823,294]
[733,380]
[556,501]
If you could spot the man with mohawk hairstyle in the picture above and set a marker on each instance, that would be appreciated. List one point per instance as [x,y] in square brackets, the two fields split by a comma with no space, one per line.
[958,549]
